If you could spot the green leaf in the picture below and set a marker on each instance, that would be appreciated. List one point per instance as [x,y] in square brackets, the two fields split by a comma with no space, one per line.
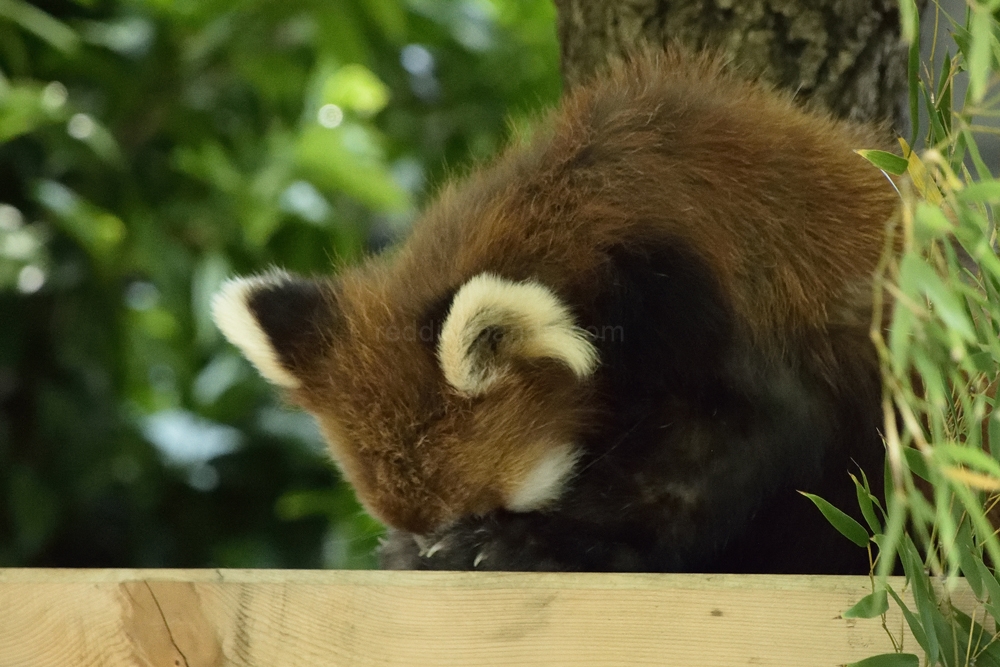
[342,159]
[21,111]
[355,87]
[969,558]
[975,458]
[994,434]
[42,25]
[390,17]
[982,362]
[992,589]
[912,69]
[295,505]
[885,161]
[915,275]
[930,223]
[972,232]
[888,543]
[102,142]
[847,526]
[923,595]
[979,51]
[888,660]
[916,462]
[206,278]
[936,388]
[973,504]
[983,191]
[911,620]
[343,34]
[969,142]
[866,503]
[944,92]
[870,606]
[961,35]
[901,337]
[909,21]
[868,488]
[99,232]
[939,135]
[986,652]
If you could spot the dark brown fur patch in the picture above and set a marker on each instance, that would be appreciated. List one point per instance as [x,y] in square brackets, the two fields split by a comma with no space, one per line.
[298,317]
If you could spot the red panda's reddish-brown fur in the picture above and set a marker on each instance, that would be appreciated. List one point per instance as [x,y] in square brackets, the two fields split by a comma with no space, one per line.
[730,236]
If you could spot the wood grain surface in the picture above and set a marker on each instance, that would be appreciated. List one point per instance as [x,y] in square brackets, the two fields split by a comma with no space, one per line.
[272,618]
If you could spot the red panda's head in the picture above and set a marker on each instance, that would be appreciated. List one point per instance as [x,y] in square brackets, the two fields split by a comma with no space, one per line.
[434,406]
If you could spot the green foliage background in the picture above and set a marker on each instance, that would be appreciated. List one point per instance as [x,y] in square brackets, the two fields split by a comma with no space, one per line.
[150,148]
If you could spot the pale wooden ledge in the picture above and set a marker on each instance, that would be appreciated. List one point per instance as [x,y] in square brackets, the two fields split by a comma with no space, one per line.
[278,618]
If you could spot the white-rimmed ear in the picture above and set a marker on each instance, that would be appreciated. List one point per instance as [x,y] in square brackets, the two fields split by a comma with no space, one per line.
[276,320]
[493,321]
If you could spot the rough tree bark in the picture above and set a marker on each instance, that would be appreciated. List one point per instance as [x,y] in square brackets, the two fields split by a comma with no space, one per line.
[845,55]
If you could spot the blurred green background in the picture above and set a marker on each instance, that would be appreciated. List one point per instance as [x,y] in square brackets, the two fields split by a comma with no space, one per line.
[149,149]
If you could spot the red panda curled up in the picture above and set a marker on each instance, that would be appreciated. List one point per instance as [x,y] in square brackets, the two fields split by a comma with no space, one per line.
[622,346]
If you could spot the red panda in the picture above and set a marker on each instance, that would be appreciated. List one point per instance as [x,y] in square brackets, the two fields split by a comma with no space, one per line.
[623,345]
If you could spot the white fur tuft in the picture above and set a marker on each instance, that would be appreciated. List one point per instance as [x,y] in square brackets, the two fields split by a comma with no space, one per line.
[232,314]
[534,324]
[545,482]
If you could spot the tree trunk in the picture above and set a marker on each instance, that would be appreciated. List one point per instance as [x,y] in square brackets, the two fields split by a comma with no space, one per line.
[844,55]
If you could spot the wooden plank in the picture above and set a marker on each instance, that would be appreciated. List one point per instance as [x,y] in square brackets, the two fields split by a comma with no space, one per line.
[270,618]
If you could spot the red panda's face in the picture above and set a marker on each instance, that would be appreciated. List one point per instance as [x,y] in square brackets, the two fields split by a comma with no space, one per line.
[429,421]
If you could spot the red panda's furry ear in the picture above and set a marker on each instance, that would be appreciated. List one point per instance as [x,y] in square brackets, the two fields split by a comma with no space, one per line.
[493,321]
[280,322]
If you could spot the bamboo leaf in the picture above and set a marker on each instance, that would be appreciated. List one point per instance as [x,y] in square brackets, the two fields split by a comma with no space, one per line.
[987,653]
[919,175]
[915,275]
[930,223]
[888,660]
[969,142]
[974,480]
[885,161]
[916,462]
[992,589]
[979,55]
[939,135]
[923,596]
[901,337]
[969,558]
[896,515]
[993,430]
[911,620]
[909,21]
[947,453]
[983,191]
[944,92]
[973,505]
[865,502]
[847,526]
[912,74]
[870,606]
